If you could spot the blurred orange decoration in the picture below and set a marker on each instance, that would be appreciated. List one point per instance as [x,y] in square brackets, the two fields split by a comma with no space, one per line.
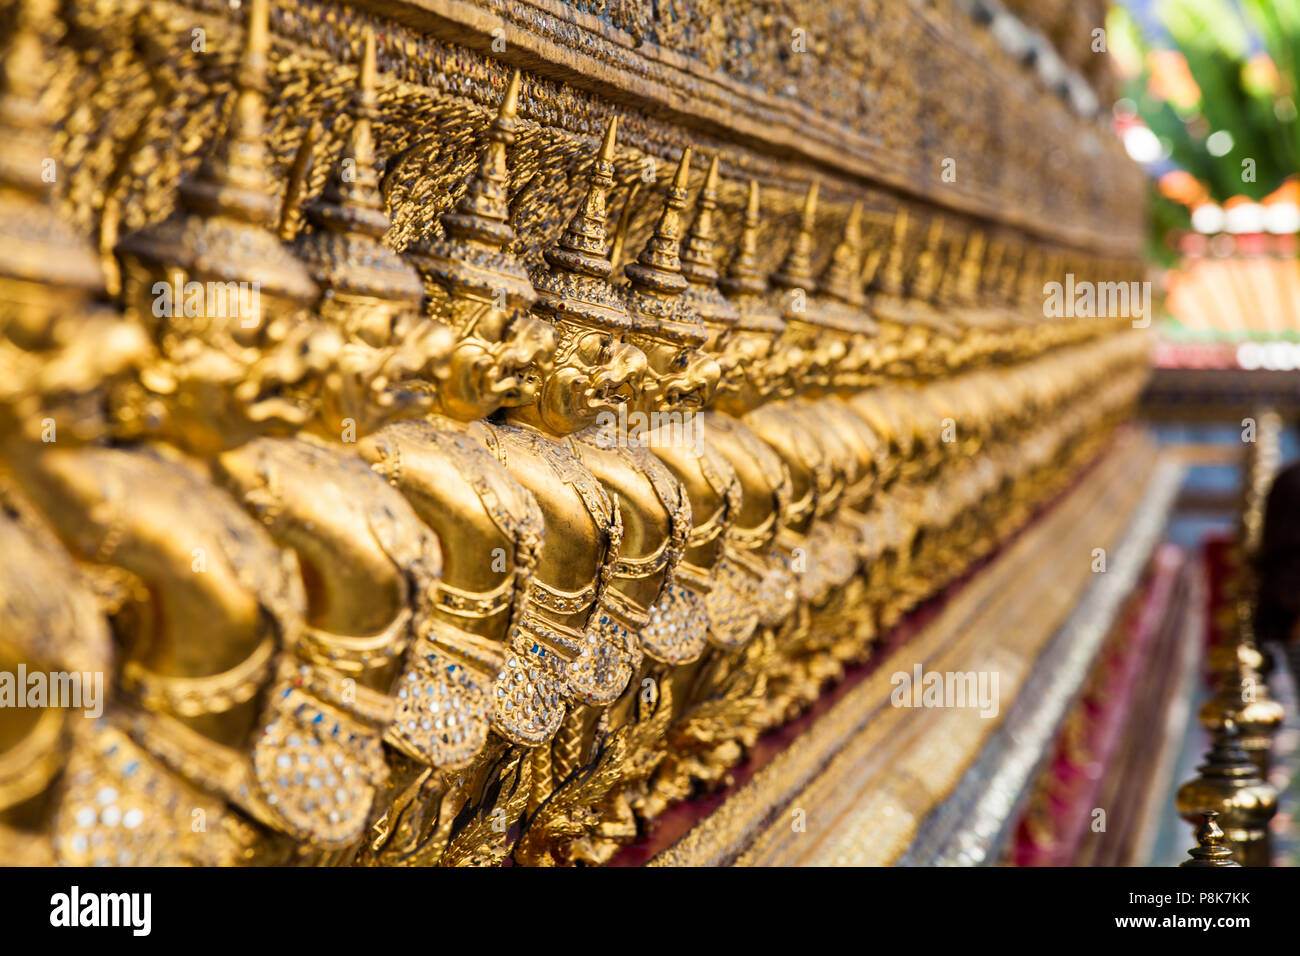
[1182,187]
[1260,75]
[1240,282]
[1171,79]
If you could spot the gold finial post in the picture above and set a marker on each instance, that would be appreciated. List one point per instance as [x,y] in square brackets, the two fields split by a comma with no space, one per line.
[361,140]
[52,252]
[583,248]
[840,279]
[573,287]
[299,174]
[698,257]
[482,214]
[744,273]
[608,141]
[232,184]
[474,261]
[796,272]
[234,180]
[659,268]
[1211,848]
[350,214]
[970,269]
[930,274]
[890,278]
[352,201]
[26,132]
[1229,784]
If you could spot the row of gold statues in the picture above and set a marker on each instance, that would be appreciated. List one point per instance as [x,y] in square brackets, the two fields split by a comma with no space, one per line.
[431,558]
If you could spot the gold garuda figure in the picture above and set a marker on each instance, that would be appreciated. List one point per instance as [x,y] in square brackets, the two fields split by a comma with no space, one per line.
[381,511]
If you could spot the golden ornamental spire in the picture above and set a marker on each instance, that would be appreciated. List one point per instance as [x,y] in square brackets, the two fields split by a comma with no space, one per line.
[1228,782]
[583,248]
[344,245]
[1013,264]
[891,277]
[482,214]
[659,267]
[873,254]
[233,180]
[35,244]
[474,261]
[351,199]
[840,278]
[1211,845]
[796,272]
[655,282]
[222,227]
[1044,267]
[698,256]
[60,351]
[842,304]
[26,132]
[574,284]
[745,274]
[970,269]
[745,283]
[992,268]
[929,272]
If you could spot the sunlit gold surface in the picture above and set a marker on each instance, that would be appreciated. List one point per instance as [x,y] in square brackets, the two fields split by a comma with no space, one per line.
[392,566]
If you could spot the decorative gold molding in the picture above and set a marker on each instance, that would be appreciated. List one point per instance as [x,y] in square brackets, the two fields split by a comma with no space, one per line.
[865,773]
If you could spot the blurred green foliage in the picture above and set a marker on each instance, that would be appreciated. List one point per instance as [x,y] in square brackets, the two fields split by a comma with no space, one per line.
[1249,97]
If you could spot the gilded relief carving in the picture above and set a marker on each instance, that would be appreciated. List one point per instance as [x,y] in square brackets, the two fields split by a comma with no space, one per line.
[444,459]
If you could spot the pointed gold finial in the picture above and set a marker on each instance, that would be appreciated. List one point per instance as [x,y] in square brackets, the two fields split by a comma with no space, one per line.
[1008,278]
[874,250]
[745,283]
[344,246]
[298,177]
[840,279]
[26,129]
[683,175]
[482,215]
[1229,783]
[233,181]
[1211,845]
[744,273]
[891,277]
[474,261]
[970,269]
[655,284]
[992,269]
[35,243]
[608,141]
[1036,269]
[366,78]
[583,248]
[20,69]
[929,272]
[232,186]
[259,32]
[659,268]
[352,201]
[573,286]
[698,257]
[796,272]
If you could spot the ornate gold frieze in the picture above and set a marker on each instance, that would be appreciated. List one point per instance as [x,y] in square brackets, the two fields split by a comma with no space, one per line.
[133,128]
[474,447]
